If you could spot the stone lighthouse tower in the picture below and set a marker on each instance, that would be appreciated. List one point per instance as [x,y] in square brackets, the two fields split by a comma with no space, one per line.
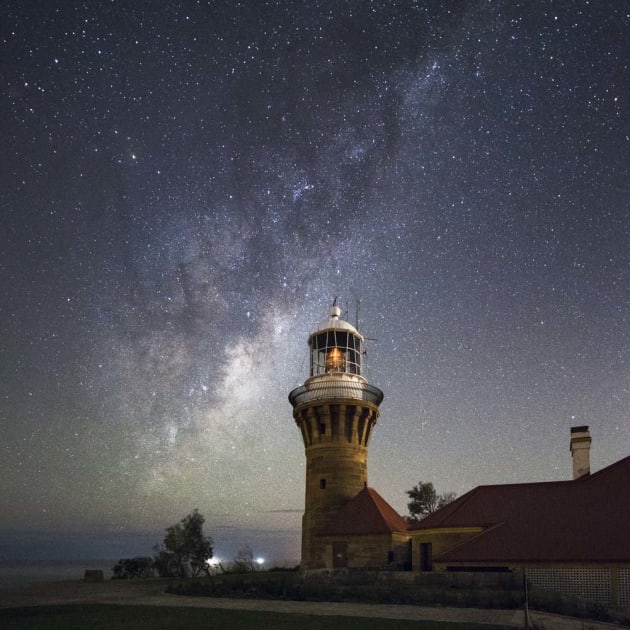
[335,410]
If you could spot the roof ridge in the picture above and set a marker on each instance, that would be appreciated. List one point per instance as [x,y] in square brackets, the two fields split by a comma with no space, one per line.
[437,518]
[365,513]
[454,506]
[524,483]
[605,469]
[371,492]
[485,530]
[380,499]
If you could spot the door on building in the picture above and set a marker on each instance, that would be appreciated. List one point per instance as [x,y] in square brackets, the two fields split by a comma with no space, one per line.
[340,555]
[426,557]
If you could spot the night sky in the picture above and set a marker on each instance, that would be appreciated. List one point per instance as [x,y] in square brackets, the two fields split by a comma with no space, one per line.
[186,186]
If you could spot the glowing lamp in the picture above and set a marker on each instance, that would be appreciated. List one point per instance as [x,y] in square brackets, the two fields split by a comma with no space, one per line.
[335,360]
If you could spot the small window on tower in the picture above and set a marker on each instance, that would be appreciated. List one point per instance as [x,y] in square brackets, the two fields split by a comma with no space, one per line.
[322,428]
[322,484]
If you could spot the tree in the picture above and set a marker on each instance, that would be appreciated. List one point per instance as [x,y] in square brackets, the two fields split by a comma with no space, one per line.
[185,549]
[424,500]
[244,560]
[139,567]
[446,498]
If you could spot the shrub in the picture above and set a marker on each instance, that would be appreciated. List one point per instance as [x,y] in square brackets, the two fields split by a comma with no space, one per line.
[127,568]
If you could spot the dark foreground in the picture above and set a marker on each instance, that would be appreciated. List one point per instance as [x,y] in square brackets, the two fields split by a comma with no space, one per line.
[144,604]
[97,616]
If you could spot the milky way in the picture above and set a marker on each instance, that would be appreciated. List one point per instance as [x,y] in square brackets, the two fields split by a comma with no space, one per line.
[188,185]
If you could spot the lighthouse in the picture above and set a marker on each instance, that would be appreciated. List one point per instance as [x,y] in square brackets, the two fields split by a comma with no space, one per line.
[335,410]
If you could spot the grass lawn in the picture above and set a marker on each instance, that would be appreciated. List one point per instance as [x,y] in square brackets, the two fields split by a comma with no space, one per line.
[112,617]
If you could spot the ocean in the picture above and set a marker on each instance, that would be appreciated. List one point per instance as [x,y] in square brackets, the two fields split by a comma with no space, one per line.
[14,575]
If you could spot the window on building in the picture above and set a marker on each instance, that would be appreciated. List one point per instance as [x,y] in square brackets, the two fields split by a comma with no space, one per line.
[322,484]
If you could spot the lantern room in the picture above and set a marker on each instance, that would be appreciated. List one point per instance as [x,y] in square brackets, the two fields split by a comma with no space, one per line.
[336,348]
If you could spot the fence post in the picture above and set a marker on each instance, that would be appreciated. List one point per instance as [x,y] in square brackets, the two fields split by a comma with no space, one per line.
[526,609]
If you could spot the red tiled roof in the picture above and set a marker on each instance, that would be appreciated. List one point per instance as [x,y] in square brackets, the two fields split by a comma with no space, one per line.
[367,513]
[576,521]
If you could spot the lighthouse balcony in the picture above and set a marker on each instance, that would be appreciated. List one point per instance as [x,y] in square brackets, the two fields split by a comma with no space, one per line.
[342,386]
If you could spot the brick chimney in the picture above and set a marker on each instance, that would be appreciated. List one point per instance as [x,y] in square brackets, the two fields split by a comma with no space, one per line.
[581,451]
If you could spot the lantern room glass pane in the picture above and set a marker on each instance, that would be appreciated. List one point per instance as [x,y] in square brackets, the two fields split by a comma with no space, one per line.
[335,351]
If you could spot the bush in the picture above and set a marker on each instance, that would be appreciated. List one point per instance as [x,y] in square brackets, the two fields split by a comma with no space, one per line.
[460,590]
[127,568]
[352,586]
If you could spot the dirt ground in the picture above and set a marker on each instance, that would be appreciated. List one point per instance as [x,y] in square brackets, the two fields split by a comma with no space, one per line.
[151,593]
